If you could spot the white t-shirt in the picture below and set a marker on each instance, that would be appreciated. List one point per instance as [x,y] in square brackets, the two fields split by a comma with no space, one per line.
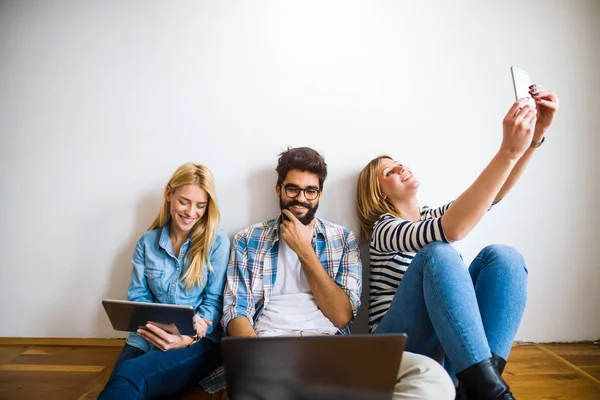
[292,308]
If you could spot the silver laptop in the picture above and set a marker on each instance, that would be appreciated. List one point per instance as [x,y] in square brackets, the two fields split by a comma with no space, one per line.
[322,367]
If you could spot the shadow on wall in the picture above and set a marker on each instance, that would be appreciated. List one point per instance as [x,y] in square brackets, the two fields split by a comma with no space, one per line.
[253,200]
[120,275]
[361,322]
[338,204]
[264,202]
[338,192]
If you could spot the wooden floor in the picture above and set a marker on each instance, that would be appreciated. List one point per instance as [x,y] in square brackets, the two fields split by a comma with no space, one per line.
[550,371]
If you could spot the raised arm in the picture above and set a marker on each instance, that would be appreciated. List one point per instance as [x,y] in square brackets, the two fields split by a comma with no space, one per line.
[547,107]
[469,207]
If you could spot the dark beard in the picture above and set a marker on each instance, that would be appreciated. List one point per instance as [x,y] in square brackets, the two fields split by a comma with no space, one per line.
[308,217]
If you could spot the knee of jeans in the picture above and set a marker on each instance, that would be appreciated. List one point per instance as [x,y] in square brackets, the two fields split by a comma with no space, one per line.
[441,254]
[129,374]
[511,259]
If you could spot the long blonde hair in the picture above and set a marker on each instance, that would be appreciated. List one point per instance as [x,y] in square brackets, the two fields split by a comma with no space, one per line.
[370,201]
[204,231]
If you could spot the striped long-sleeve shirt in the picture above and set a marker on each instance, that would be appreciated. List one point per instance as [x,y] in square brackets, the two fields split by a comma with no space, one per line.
[394,242]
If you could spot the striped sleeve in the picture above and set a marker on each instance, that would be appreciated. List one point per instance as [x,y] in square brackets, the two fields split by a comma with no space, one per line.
[392,234]
[436,212]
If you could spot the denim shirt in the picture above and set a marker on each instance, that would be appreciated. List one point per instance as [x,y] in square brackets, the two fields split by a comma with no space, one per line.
[157,274]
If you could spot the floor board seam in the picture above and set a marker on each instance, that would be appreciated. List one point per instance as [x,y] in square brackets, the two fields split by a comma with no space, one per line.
[568,364]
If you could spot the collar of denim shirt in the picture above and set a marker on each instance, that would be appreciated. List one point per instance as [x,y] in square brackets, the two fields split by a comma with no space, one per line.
[164,241]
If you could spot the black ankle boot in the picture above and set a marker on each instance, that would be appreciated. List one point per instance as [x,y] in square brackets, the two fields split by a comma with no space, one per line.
[482,381]
[500,362]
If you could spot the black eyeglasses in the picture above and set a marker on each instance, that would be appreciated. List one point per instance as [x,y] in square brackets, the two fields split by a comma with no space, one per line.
[293,191]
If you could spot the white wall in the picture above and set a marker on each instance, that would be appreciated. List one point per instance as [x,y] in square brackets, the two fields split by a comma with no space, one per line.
[101,100]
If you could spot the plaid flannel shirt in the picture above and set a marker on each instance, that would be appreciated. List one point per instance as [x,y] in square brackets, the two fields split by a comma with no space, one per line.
[253,266]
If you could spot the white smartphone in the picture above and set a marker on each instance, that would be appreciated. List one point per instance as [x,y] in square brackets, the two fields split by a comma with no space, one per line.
[521,83]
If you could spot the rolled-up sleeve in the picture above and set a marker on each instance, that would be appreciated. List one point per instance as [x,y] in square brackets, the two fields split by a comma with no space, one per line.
[238,300]
[349,276]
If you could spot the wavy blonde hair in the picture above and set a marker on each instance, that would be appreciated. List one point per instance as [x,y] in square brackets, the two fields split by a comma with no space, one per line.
[204,231]
[370,201]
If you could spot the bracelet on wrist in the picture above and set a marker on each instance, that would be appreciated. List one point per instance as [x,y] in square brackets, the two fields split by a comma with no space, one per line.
[194,340]
[535,145]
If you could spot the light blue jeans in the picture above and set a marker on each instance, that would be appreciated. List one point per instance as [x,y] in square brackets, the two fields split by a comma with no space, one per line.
[447,310]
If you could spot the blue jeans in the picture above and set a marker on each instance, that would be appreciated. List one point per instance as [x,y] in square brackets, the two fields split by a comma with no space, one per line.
[140,375]
[463,314]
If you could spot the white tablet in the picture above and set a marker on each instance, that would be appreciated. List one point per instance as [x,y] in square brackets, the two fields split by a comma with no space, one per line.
[521,83]
[130,315]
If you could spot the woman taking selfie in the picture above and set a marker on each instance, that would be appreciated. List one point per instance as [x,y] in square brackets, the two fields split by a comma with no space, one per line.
[418,282]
